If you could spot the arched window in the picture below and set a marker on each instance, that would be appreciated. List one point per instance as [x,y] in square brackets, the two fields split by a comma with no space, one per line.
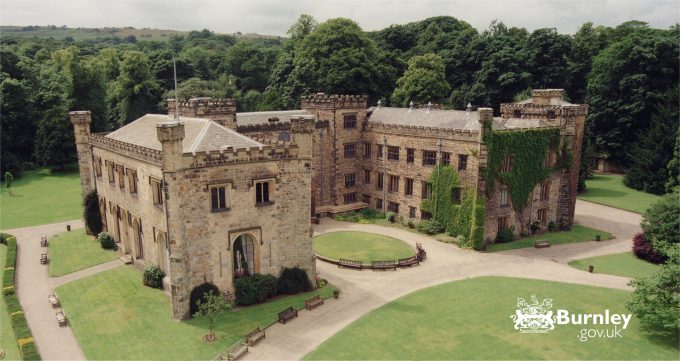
[137,229]
[243,256]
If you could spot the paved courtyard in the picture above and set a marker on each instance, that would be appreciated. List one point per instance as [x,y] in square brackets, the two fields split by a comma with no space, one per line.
[362,291]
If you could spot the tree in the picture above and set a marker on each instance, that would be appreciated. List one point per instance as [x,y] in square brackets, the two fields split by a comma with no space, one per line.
[547,53]
[302,27]
[661,224]
[424,81]
[93,220]
[135,91]
[588,41]
[9,179]
[673,167]
[211,306]
[250,64]
[656,299]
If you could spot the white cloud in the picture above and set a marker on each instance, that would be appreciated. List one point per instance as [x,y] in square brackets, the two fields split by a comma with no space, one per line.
[275,16]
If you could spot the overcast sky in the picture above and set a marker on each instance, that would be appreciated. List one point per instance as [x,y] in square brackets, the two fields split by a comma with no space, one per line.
[275,16]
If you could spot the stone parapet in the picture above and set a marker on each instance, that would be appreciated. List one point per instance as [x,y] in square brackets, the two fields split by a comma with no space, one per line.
[321,100]
[422,131]
[131,150]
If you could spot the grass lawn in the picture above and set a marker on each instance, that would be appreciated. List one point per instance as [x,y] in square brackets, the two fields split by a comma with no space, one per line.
[621,264]
[361,246]
[576,234]
[115,317]
[41,197]
[7,340]
[470,319]
[73,251]
[610,191]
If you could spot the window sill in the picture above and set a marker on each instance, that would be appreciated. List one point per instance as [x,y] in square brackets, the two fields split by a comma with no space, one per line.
[158,205]
[263,204]
[219,210]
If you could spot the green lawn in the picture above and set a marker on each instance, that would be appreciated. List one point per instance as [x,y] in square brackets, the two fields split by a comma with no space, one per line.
[360,246]
[470,319]
[610,191]
[41,197]
[7,339]
[621,264]
[115,317]
[576,234]
[73,251]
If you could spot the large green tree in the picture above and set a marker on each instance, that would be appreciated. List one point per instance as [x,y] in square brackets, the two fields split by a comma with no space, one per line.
[135,92]
[424,81]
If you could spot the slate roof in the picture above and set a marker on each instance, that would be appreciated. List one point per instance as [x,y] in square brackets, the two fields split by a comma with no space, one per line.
[254,118]
[451,119]
[200,134]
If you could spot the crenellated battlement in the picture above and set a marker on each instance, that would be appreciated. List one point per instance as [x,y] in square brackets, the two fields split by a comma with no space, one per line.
[222,111]
[323,101]
[230,155]
[423,131]
[131,150]
[532,111]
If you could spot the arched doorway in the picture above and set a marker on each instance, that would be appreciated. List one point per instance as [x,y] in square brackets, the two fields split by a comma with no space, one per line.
[243,256]
[137,231]
[125,230]
[115,212]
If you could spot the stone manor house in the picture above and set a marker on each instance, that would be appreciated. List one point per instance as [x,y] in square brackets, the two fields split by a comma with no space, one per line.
[214,194]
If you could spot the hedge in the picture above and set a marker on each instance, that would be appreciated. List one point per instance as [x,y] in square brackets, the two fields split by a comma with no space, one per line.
[16,314]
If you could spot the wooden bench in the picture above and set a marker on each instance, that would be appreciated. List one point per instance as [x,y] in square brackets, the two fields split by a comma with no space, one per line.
[383,265]
[255,335]
[541,243]
[421,255]
[53,300]
[43,258]
[61,318]
[408,262]
[313,302]
[348,263]
[43,242]
[236,351]
[287,314]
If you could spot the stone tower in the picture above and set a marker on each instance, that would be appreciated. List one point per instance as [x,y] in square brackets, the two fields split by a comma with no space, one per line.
[222,111]
[81,126]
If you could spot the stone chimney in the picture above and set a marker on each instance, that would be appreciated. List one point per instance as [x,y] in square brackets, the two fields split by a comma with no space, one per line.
[171,134]
[221,111]
[545,96]
[81,121]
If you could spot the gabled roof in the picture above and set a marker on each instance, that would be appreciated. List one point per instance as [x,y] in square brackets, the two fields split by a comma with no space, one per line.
[256,118]
[200,135]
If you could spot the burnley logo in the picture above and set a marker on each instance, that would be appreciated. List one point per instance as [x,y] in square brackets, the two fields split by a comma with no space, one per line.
[534,317]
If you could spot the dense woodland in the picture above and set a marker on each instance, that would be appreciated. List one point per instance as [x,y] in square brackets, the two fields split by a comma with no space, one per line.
[627,74]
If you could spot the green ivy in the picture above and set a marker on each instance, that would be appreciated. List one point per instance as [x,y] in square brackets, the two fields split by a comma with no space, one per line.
[445,181]
[528,149]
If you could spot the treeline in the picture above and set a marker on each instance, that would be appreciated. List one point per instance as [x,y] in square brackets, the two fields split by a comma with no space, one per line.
[628,74]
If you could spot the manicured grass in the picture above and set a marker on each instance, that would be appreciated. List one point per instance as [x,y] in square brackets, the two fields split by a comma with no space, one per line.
[610,191]
[73,251]
[621,264]
[576,234]
[360,246]
[7,339]
[115,317]
[470,319]
[41,197]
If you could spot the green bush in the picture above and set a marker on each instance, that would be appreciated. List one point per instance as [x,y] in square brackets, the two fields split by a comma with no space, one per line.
[106,241]
[255,289]
[293,280]
[198,294]
[371,213]
[20,327]
[391,216]
[661,223]
[347,217]
[506,235]
[3,238]
[430,227]
[8,275]
[93,219]
[30,352]
[153,276]
[552,226]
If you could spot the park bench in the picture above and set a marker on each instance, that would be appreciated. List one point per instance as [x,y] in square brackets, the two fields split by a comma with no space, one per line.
[236,351]
[313,302]
[541,243]
[350,264]
[287,314]
[383,265]
[408,262]
[43,258]
[53,300]
[61,318]
[255,335]
[421,255]
[43,242]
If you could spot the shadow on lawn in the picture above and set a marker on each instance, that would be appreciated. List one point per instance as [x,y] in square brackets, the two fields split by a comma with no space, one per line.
[662,337]
[602,192]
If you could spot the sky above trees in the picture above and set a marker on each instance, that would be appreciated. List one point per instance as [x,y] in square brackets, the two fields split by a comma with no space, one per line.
[273,17]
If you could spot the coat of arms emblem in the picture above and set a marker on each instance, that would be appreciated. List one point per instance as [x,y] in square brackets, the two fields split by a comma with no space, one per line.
[534,317]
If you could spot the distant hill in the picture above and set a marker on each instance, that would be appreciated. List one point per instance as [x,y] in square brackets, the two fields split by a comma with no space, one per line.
[62,32]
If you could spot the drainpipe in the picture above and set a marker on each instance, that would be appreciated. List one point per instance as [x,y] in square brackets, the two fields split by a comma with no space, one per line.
[321,166]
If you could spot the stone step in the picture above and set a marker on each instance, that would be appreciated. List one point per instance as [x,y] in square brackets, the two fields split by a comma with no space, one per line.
[126,259]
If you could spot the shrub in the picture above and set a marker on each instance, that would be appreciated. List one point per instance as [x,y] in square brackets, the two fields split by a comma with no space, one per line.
[535,227]
[364,221]
[661,223]
[506,235]
[371,213]
[293,280]
[20,327]
[9,272]
[644,249]
[321,283]
[198,294]
[410,224]
[255,289]
[552,226]
[390,216]
[106,241]
[93,220]
[347,217]
[3,238]
[153,276]
[430,227]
